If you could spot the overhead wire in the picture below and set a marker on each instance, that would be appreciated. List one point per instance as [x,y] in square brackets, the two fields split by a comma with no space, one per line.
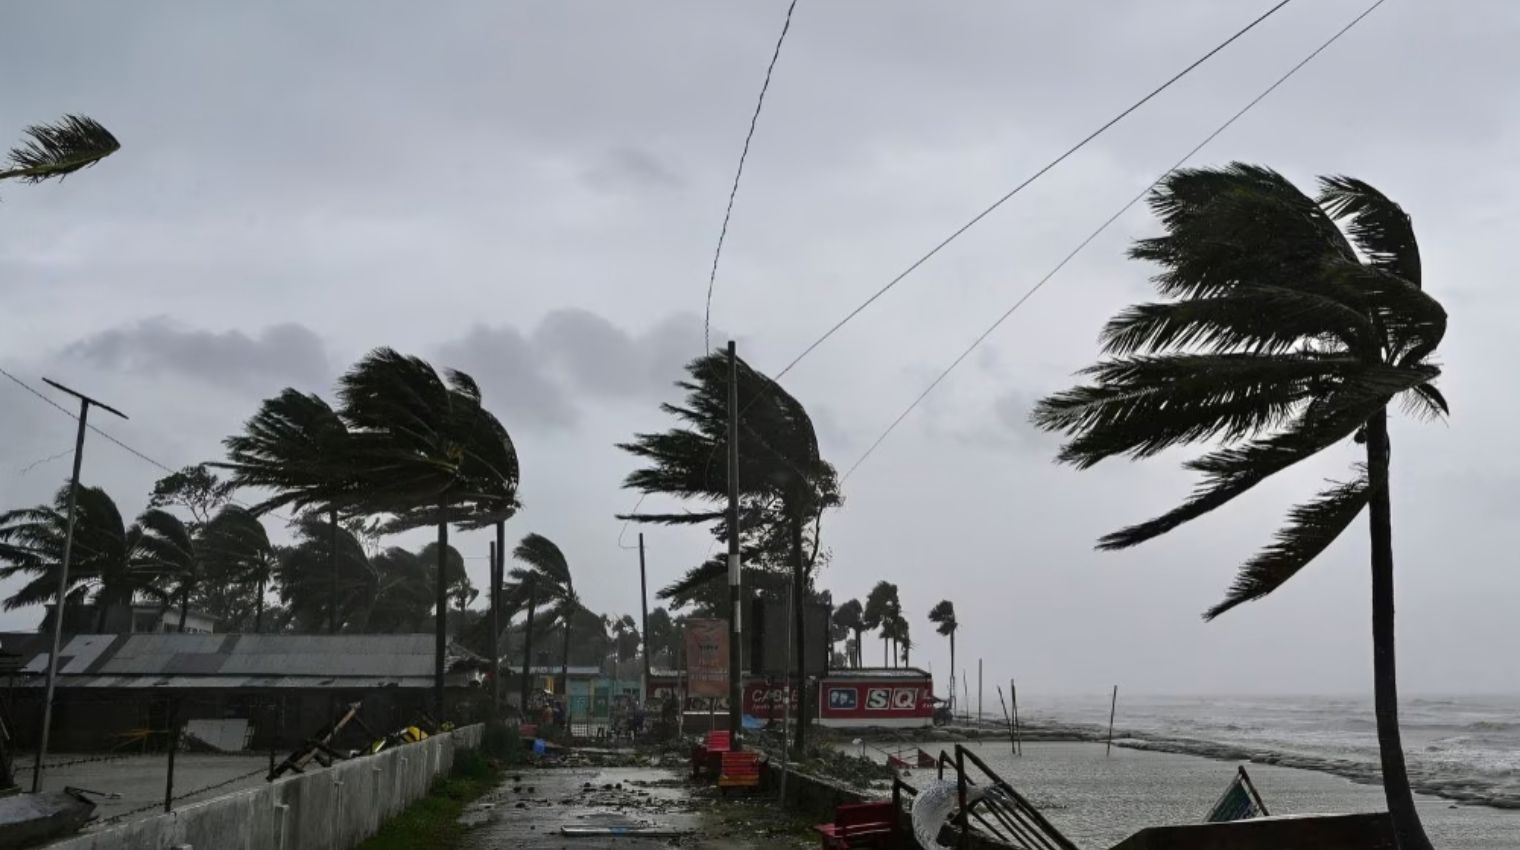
[754,120]
[113,439]
[912,267]
[1103,227]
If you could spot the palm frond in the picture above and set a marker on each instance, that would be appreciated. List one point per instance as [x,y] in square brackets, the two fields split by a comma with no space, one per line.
[1311,528]
[59,149]
[1260,320]
[1378,226]
[1427,402]
[1144,404]
[541,553]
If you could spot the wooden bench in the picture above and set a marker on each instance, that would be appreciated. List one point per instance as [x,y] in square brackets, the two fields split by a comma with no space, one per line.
[860,825]
[738,770]
[704,756]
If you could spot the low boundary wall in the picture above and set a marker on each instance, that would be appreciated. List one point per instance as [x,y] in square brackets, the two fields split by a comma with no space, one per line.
[330,809]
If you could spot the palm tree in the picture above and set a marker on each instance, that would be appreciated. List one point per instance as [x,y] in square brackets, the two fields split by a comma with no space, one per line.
[168,547]
[1286,335]
[236,553]
[942,615]
[107,556]
[308,586]
[548,574]
[785,485]
[848,617]
[437,456]
[880,609]
[59,149]
[404,597]
[300,449]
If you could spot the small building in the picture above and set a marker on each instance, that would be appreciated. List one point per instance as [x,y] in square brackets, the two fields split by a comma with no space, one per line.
[116,691]
[890,697]
[141,617]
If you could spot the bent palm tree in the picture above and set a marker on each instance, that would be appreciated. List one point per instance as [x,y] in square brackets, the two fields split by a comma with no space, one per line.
[107,556]
[1285,336]
[847,617]
[59,149]
[548,573]
[943,616]
[236,551]
[167,546]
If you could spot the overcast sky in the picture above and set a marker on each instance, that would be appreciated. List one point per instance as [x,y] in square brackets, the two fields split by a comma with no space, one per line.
[531,192]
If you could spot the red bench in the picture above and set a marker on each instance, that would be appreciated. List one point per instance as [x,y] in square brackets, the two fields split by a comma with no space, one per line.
[860,825]
[738,770]
[704,755]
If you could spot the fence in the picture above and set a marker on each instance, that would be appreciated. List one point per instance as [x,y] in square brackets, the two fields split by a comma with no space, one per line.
[330,809]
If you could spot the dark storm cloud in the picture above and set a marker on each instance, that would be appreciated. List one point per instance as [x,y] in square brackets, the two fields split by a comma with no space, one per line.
[531,192]
[280,354]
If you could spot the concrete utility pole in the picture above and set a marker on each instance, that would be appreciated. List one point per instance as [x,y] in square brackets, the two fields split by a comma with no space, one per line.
[735,628]
[644,623]
[494,625]
[63,575]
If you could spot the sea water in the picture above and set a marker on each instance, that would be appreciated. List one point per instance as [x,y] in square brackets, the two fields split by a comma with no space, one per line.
[1465,749]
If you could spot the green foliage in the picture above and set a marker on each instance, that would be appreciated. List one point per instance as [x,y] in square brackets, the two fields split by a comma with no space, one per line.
[943,616]
[196,489]
[1279,341]
[432,823]
[59,149]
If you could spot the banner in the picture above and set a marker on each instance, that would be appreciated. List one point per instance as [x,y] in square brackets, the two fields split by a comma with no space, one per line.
[707,658]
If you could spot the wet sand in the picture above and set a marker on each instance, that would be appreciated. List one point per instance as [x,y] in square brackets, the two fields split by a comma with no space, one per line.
[1097,801]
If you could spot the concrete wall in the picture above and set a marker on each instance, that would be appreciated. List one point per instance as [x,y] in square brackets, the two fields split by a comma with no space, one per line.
[331,809]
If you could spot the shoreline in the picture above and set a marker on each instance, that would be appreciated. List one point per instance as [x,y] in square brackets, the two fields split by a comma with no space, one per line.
[1454,789]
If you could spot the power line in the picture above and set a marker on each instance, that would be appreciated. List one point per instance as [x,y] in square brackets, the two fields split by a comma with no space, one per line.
[1104,226]
[1030,179]
[72,415]
[712,276]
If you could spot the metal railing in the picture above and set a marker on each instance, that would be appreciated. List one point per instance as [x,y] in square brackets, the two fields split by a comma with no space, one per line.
[1018,823]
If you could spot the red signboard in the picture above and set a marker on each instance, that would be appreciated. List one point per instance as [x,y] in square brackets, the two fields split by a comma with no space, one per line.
[889,701]
[707,658]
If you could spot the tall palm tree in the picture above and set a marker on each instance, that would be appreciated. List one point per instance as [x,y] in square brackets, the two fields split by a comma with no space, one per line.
[1285,335]
[404,596]
[881,605]
[437,455]
[236,552]
[549,574]
[59,149]
[785,485]
[848,617]
[942,615]
[298,448]
[106,562]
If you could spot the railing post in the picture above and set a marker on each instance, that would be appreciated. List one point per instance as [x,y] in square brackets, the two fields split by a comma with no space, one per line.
[960,792]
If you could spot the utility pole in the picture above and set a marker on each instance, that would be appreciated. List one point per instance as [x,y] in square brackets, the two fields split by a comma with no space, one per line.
[495,589]
[63,575]
[979,690]
[527,671]
[644,623]
[735,628]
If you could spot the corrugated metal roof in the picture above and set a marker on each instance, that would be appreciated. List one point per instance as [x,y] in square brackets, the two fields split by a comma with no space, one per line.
[203,657]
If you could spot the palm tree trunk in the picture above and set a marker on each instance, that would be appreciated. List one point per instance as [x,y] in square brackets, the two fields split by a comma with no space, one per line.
[100,615]
[859,649]
[440,618]
[799,631]
[332,558]
[184,608]
[258,609]
[952,668]
[497,566]
[527,670]
[1406,820]
[564,667]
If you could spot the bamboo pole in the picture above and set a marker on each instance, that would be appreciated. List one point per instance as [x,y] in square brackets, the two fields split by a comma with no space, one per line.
[1018,734]
[1013,745]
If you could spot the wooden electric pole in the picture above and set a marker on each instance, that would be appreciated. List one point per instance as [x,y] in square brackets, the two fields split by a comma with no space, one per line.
[735,627]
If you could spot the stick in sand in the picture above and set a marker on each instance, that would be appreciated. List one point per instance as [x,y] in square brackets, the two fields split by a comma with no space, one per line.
[1111,708]
[1013,745]
[1018,734]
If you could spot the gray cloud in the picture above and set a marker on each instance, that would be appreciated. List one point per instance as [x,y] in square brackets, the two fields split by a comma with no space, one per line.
[631,169]
[283,353]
